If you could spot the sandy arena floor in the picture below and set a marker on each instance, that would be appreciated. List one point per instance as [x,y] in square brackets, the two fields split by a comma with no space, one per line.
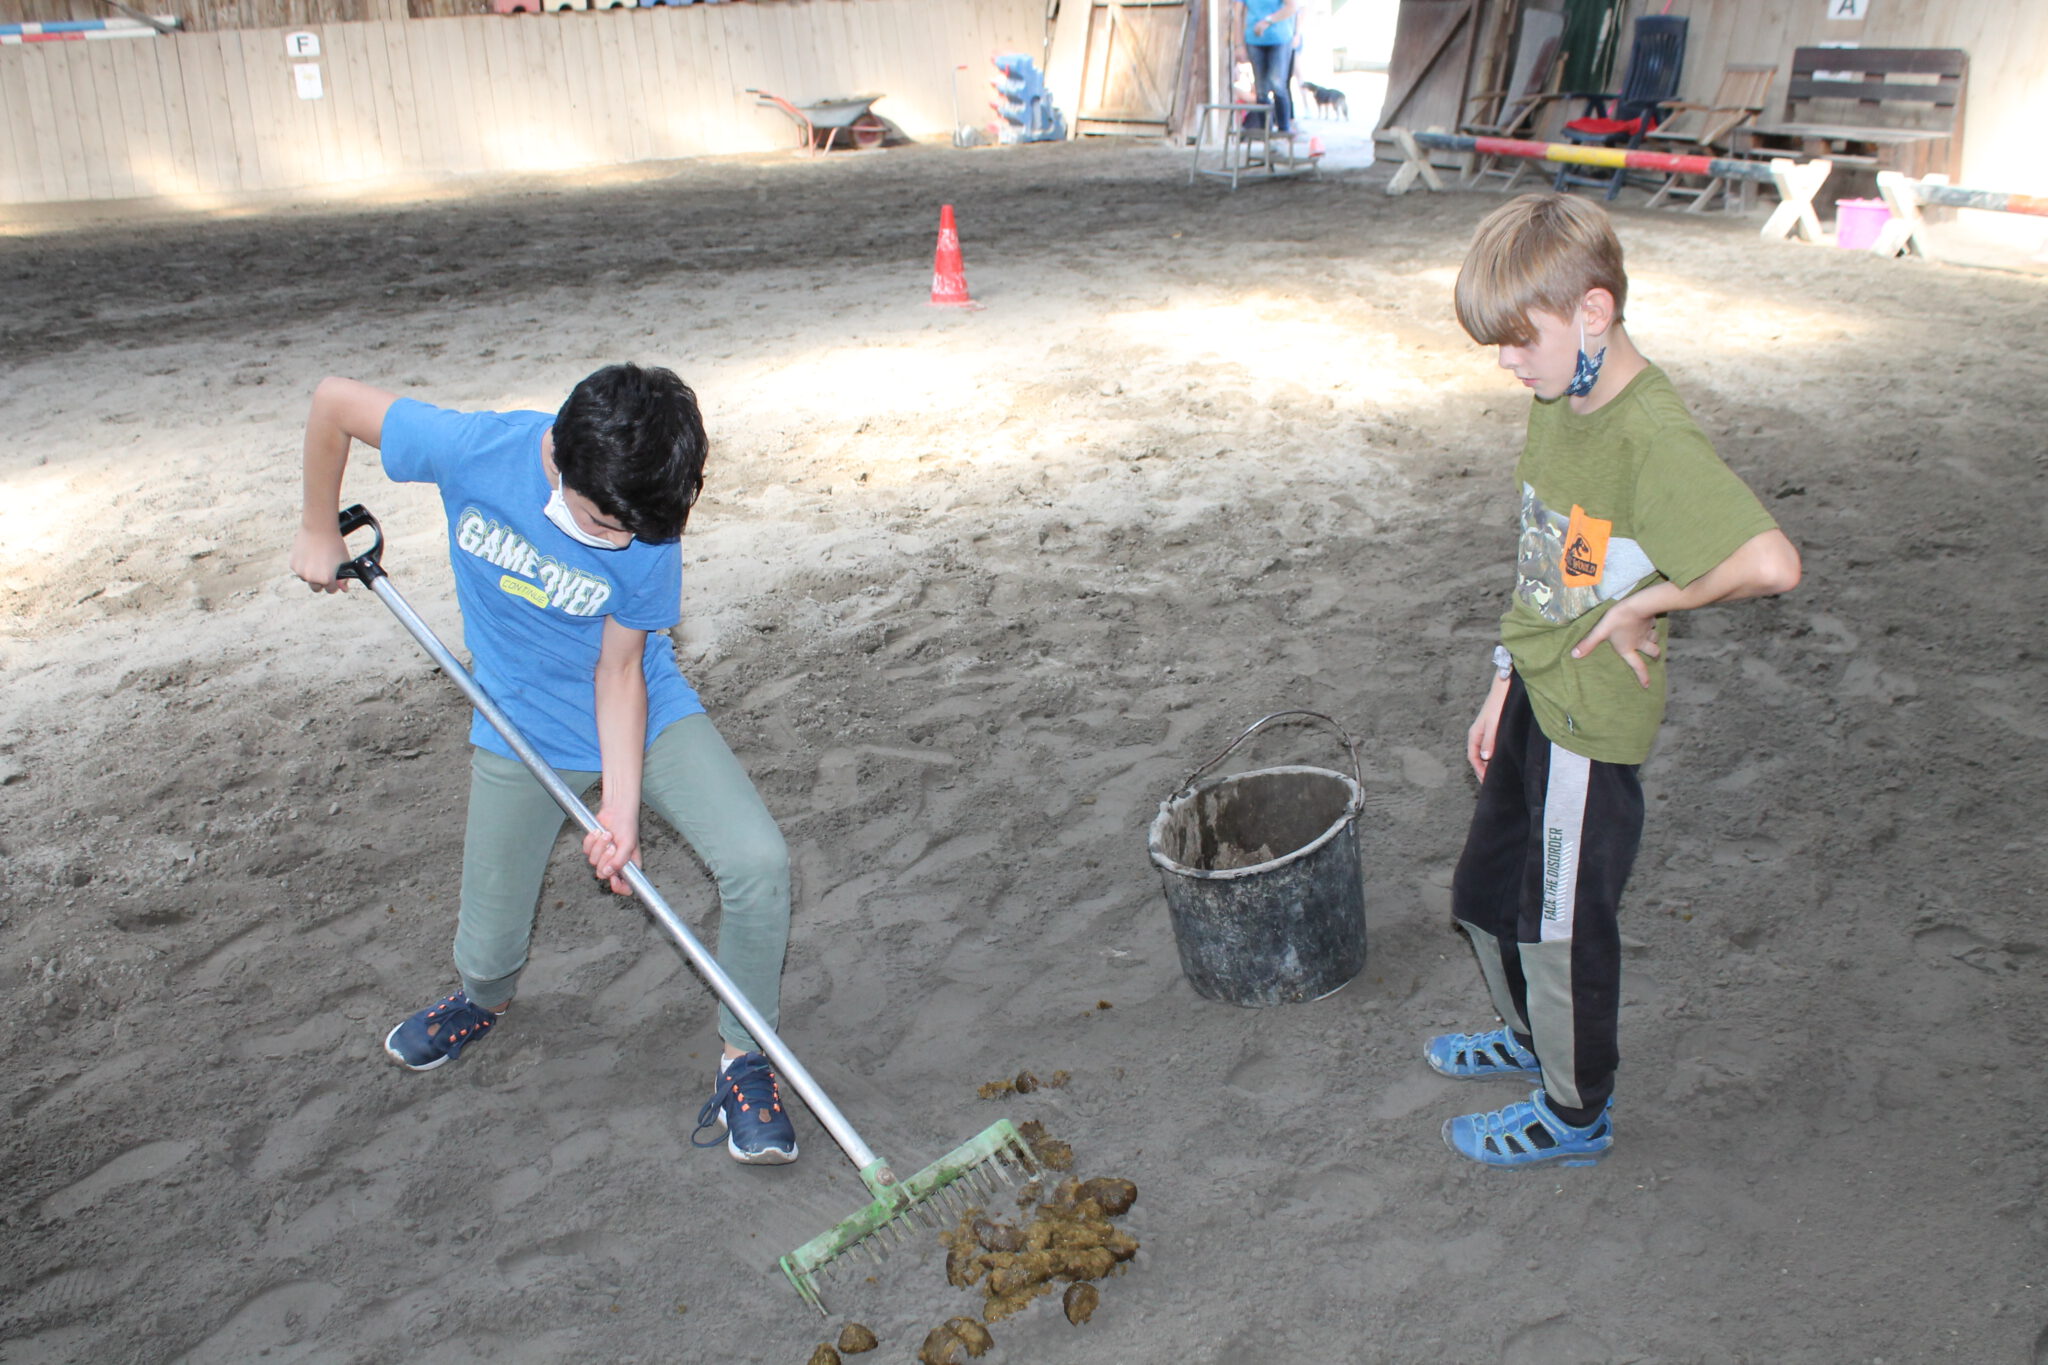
[970,593]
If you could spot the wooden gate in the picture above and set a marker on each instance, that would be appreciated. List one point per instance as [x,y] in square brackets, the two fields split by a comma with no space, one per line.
[1431,65]
[1137,57]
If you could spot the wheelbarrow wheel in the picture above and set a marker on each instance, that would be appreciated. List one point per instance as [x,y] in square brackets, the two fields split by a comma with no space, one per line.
[868,132]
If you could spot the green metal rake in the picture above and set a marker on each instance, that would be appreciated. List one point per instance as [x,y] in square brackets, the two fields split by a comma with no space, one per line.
[957,1179]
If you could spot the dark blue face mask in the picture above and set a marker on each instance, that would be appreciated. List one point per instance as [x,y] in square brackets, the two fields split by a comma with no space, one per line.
[1587,372]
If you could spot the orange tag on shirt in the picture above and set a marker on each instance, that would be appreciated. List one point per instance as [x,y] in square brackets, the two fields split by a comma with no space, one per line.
[1585,549]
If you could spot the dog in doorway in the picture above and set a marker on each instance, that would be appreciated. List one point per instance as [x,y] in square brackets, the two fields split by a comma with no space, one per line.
[1330,102]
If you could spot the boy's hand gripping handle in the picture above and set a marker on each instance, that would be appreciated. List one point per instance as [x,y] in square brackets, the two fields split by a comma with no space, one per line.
[367,567]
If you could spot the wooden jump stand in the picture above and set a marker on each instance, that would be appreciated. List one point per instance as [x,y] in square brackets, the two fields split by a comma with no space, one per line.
[1797,184]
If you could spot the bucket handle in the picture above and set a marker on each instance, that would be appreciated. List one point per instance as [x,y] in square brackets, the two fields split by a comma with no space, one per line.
[1350,746]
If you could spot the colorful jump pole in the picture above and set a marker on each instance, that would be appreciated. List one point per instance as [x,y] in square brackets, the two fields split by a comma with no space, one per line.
[1905,197]
[1632,158]
[1796,182]
[1992,201]
[80,30]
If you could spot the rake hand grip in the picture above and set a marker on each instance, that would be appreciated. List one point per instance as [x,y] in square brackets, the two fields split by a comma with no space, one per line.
[368,566]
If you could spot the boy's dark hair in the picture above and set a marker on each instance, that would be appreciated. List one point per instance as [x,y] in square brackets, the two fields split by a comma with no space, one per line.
[631,440]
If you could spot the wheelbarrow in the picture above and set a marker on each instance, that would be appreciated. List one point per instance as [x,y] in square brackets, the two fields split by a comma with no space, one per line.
[849,121]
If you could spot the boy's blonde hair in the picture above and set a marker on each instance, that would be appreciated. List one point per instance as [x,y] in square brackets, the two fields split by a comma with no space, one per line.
[1538,252]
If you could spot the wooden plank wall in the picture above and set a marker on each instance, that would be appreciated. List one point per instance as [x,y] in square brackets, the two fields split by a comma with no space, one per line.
[2004,104]
[202,114]
[210,16]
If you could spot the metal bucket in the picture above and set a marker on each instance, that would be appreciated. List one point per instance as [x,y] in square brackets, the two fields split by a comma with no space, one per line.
[1262,878]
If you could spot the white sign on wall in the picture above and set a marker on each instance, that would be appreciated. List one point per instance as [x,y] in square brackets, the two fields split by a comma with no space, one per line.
[1838,75]
[306,76]
[308,44]
[1848,9]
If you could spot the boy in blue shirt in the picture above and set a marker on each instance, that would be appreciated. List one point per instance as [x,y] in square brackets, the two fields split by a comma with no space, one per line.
[564,532]
[1627,515]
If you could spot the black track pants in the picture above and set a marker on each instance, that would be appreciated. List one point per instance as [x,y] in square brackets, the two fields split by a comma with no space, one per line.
[1538,891]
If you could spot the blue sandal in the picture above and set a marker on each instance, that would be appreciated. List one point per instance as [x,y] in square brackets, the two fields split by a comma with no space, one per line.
[438,1033]
[1530,1134]
[1480,1056]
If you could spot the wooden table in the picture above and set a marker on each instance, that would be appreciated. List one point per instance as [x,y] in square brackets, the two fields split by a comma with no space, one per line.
[1910,151]
[1859,149]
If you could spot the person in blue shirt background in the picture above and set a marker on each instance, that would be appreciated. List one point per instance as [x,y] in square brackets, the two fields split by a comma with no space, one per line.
[564,530]
[1269,45]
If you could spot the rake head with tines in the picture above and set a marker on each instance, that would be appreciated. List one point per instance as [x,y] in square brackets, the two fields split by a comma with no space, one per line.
[933,1197]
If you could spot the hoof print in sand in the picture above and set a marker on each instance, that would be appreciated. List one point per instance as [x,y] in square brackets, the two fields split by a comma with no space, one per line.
[142,1165]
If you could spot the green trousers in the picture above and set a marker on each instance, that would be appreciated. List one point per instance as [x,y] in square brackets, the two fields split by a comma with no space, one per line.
[693,781]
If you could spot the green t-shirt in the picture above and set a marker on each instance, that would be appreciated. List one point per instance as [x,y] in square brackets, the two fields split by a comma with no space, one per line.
[1613,501]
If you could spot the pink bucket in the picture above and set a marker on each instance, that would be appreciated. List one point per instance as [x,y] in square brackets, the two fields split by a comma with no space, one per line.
[1858,221]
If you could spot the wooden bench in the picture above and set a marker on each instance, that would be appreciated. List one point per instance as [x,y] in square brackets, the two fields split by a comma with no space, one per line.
[1845,105]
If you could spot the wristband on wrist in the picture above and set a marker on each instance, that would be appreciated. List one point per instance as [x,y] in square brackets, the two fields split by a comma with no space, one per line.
[1503,662]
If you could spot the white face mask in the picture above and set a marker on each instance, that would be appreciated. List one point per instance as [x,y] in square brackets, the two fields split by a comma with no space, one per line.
[565,521]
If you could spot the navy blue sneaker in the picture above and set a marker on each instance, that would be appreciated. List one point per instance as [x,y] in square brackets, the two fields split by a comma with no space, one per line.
[748,1106]
[1530,1134]
[438,1033]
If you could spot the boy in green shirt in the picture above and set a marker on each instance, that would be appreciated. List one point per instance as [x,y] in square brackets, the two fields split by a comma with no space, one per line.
[1627,515]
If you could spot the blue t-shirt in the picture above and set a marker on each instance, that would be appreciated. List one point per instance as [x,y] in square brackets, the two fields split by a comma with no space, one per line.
[533,601]
[1275,34]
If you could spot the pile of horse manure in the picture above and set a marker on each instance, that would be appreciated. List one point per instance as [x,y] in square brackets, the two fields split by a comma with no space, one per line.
[954,1341]
[854,1338]
[1068,1237]
[1049,1151]
[1023,1083]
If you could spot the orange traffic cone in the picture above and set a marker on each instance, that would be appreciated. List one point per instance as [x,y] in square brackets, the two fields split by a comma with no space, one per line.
[949,272]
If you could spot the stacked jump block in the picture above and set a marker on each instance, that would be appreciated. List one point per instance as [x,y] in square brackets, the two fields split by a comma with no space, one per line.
[1024,109]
